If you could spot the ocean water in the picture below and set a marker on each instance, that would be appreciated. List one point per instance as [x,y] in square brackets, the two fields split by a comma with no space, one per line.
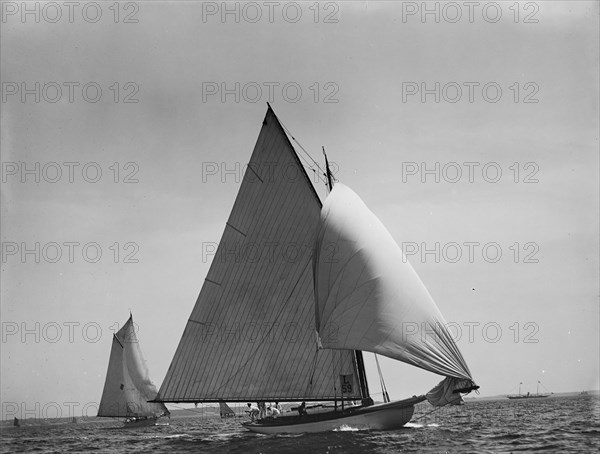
[554,424]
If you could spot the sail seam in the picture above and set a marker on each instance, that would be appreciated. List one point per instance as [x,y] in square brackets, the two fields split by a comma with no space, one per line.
[196,321]
[254,172]
[237,230]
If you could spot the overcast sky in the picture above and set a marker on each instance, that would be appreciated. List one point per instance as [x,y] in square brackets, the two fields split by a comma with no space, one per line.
[517,92]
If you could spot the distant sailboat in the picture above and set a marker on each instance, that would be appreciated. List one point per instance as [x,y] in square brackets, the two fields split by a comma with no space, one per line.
[285,266]
[128,387]
[225,410]
[537,394]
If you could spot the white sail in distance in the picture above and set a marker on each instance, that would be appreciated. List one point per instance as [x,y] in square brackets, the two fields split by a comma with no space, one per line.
[128,387]
[368,296]
[225,410]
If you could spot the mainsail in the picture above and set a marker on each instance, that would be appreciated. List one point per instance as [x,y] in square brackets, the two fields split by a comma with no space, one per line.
[128,387]
[369,297]
[251,333]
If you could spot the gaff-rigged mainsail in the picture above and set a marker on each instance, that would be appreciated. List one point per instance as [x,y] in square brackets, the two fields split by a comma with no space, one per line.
[251,333]
[368,296]
[128,387]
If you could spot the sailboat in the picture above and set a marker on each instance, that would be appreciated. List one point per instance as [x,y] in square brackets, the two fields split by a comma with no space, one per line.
[225,410]
[537,394]
[286,266]
[128,387]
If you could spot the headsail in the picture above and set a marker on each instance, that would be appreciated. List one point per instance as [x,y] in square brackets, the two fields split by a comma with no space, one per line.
[251,334]
[368,296]
[128,387]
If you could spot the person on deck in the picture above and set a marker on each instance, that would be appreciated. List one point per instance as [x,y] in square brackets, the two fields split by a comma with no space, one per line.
[253,411]
[302,409]
[262,408]
[278,409]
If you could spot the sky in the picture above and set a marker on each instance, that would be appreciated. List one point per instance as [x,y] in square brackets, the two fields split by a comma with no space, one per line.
[472,134]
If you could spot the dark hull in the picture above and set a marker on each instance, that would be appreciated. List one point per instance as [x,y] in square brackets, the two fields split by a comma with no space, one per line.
[392,415]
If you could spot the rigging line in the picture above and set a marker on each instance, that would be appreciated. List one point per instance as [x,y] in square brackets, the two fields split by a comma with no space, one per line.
[436,409]
[299,144]
[313,369]
[233,375]
[386,397]
[321,171]
[319,176]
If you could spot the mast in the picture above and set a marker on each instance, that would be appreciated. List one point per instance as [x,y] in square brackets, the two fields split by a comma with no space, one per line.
[362,376]
[358,356]
[327,171]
